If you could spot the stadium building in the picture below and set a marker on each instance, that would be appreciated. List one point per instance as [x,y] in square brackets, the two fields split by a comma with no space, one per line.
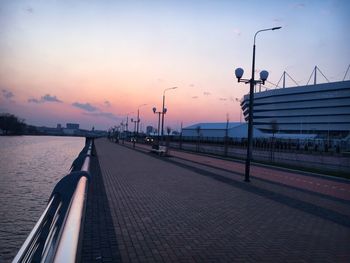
[322,109]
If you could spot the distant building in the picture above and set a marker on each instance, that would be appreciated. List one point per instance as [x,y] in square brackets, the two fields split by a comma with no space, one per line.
[149,130]
[72,126]
[59,126]
[71,129]
[49,130]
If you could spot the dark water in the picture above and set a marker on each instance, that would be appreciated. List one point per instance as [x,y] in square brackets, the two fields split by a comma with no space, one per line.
[30,166]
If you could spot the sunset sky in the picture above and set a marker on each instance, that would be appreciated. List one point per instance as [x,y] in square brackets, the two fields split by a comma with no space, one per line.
[93,62]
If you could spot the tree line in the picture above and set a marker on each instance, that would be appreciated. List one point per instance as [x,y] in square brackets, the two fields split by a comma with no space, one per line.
[12,125]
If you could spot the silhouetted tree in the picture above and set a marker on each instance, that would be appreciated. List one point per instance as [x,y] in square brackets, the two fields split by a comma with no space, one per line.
[274,127]
[10,124]
[168,130]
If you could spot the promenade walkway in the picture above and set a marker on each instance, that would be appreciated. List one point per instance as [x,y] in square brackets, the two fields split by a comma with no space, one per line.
[143,208]
[332,186]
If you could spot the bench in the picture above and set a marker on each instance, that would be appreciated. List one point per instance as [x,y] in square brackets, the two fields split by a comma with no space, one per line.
[161,150]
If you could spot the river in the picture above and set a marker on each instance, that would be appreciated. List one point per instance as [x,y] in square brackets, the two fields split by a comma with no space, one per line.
[30,166]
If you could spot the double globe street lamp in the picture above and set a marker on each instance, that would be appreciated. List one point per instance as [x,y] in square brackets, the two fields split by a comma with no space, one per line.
[263,77]
[159,113]
[164,111]
[138,119]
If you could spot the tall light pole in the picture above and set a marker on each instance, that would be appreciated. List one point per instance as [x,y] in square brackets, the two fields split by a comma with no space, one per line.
[127,122]
[122,131]
[263,77]
[163,109]
[159,113]
[134,138]
[138,118]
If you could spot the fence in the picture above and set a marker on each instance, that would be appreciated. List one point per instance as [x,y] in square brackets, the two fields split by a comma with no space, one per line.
[316,154]
[278,144]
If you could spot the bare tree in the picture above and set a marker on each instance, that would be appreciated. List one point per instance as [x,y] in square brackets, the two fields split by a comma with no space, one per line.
[168,131]
[274,129]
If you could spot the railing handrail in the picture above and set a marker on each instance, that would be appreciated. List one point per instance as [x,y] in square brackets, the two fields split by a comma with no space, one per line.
[56,237]
[33,234]
[69,243]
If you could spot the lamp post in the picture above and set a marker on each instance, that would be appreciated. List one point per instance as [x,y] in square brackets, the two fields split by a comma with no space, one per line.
[122,131]
[165,110]
[127,122]
[138,119]
[263,77]
[159,113]
[134,139]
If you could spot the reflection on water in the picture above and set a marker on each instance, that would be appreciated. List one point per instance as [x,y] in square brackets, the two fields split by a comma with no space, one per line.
[30,166]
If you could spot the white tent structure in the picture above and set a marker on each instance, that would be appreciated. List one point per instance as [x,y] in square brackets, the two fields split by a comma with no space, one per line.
[235,130]
[218,130]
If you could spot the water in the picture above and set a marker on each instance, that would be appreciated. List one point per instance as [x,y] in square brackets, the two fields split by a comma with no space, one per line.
[30,166]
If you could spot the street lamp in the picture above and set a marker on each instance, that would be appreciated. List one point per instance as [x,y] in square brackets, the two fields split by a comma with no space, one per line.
[127,122]
[134,139]
[138,118]
[165,110]
[122,131]
[263,77]
[159,113]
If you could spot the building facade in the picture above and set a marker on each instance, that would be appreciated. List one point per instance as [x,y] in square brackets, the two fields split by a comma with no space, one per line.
[72,126]
[322,109]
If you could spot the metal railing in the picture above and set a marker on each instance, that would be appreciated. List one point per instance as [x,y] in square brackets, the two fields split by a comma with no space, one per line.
[57,235]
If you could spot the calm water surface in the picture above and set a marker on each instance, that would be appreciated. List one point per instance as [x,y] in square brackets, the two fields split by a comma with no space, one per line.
[30,166]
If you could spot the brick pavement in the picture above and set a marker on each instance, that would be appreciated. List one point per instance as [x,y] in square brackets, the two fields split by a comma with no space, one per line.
[339,189]
[99,242]
[336,187]
[166,210]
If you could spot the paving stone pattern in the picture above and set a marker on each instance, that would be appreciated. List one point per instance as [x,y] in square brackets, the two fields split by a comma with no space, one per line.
[99,240]
[165,212]
[331,186]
